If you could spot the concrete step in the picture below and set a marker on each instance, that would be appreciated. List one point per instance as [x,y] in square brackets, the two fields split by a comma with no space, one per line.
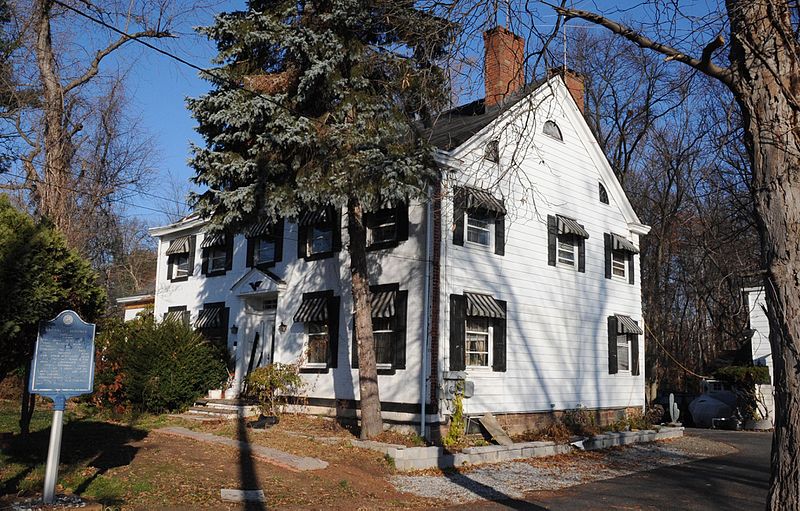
[233,406]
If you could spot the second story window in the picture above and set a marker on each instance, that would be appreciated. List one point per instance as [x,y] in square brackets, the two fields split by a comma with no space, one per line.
[387,227]
[566,243]
[620,253]
[319,233]
[482,215]
[265,243]
[180,258]
[217,253]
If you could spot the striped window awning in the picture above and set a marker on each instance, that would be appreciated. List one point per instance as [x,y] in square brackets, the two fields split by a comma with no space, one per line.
[213,240]
[382,304]
[209,318]
[620,243]
[483,306]
[262,228]
[479,199]
[179,246]
[316,217]
[177,316]
[626,325]
[570,226]
[312,309]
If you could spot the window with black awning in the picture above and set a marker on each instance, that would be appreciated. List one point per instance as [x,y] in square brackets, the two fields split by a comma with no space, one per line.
[479,218]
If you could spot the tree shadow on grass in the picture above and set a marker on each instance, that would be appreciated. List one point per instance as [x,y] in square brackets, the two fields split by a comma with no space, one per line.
[100,445]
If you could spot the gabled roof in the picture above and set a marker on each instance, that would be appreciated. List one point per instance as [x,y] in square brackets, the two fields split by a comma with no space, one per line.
[452,128]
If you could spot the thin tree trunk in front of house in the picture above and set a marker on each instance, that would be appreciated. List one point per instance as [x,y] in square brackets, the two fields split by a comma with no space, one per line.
[27,405]
[371,421]
[765,52]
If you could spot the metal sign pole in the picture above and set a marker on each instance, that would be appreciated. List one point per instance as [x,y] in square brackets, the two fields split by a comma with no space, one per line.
[54,451]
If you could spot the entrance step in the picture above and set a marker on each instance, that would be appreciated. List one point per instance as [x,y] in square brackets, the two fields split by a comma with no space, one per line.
[221,409]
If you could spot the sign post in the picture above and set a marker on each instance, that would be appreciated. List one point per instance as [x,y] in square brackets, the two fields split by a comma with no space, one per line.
[62,367]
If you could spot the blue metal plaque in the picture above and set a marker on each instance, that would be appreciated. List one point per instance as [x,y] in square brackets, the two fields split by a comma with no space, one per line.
[63,362]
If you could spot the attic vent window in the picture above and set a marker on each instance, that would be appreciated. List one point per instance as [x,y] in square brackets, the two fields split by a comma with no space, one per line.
[492,151]
[603,194]
[551,129]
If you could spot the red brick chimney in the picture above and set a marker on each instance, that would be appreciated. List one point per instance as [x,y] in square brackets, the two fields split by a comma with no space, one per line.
[504,64]
[574,83]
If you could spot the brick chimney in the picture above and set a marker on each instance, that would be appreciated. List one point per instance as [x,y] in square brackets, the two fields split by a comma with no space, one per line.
[504,64]
[574,83]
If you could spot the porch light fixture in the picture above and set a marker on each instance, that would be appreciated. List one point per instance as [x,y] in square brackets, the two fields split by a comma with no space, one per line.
[234,329]
[282,327]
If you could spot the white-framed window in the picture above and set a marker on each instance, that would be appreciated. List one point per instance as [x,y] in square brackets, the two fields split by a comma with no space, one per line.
[603,193]
[316,343]
[623,352]
[478,334]
[180,265]
[619,264]
[264,250]
[566,251]
[217,258]
[383,333]
[320,239]
[384,227]
[551,129]
[479,228]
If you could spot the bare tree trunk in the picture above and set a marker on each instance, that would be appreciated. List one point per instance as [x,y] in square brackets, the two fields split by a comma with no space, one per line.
[53,197]
[28,403]
[371,421]
[765,53]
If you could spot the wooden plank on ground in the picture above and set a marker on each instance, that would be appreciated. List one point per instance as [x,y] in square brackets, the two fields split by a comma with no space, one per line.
[495,429]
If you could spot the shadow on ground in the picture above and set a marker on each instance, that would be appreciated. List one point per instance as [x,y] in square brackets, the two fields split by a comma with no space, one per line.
[99,445]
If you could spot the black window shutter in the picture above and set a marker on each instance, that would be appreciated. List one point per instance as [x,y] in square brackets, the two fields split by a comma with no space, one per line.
[613,366]
[251,246]
[401,210]
[607,246]
[229,251]
[204,259]
[278,233]
[333,331]
[354,346]
[500,235]
[631,278]
[552,239]
[302,241]
[399,345]
[457,326]
[634,340]
[192,249]
[581,254]
[459,205]
[499,341]
[169,267]
[335,214]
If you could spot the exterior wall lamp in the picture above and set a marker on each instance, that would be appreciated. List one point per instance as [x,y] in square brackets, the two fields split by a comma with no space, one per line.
[282,327]
[234,329]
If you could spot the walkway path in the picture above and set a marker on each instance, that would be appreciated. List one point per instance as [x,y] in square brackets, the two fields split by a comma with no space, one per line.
[274,456]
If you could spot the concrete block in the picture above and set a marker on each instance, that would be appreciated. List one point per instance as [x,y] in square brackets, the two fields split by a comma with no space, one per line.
[242,495]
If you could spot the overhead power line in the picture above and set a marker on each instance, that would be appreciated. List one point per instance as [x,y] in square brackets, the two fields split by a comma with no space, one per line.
[210,72]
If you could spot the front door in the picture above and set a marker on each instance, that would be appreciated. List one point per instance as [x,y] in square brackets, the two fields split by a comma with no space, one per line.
[259,334]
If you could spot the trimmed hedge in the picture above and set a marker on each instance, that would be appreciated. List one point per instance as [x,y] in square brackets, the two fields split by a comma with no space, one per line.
[155,367]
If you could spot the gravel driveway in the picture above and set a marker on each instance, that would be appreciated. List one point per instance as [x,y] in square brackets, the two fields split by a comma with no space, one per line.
[515,479]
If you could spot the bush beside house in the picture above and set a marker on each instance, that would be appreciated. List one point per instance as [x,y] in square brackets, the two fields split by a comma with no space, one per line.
[155,367]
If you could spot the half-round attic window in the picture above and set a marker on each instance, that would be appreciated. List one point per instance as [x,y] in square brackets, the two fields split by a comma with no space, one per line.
[552,129]
[603,194]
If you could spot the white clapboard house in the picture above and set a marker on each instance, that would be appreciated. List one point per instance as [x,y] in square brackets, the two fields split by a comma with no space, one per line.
[761,349]
[517,276]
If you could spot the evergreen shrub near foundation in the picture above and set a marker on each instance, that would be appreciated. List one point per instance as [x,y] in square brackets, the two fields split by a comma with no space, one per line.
[155,367]
[272,384]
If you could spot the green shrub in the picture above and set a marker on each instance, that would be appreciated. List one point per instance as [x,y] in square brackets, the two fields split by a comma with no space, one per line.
[272,384]
[743,375]
[155,367]
[458,424]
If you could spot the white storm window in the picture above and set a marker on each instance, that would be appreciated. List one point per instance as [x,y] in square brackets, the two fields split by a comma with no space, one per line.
[566,251]
[217,258]
[383,333]
[623,353]
[264,250]
[619,264]
[180,265]
[479,228]
[320,239]
[384,228]
[478,334]
[316,343]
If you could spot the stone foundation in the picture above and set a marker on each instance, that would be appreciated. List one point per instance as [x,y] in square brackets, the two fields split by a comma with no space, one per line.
[519,423]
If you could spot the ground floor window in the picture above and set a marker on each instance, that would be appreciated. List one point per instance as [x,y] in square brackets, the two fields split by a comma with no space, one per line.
[316,343]
[623,353]
[478,339]
[383,333]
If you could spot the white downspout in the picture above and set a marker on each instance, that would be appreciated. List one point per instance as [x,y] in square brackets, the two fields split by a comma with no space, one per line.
[423,380]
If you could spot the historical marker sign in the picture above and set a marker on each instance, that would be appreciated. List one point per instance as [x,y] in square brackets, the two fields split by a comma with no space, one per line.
[62,367]
[63,362]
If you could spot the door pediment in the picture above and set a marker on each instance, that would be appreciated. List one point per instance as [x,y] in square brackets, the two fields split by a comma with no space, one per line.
[257,282]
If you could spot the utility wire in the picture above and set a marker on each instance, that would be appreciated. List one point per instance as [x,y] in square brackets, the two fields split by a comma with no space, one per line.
[210,72]
[655,338]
